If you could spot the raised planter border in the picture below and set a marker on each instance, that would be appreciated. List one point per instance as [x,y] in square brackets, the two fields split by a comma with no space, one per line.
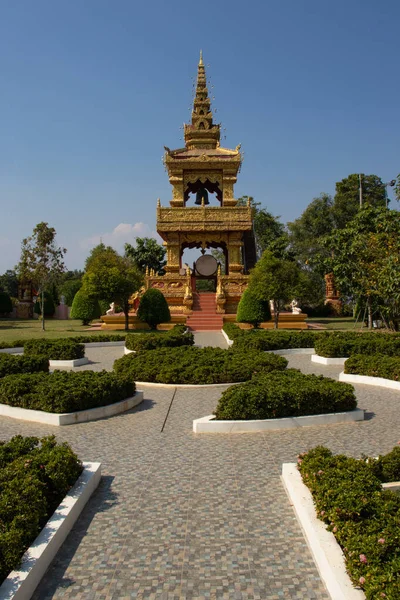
[292,351]
[16,350]
[368,380]
[327,554]
[227,339]
[81,416]
[185,385]
[323,360]
[76,362]
[208,424]
[21,584]
[104,344]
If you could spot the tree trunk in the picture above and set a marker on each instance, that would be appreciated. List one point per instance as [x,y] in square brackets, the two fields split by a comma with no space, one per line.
[42,307]
[369,307]
[276,314]
[126,313]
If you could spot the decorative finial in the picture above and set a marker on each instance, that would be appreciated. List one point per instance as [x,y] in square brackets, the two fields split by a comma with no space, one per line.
[201,58]
[158,203]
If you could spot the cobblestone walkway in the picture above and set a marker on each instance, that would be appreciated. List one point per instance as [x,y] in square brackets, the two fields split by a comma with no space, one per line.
[185,516]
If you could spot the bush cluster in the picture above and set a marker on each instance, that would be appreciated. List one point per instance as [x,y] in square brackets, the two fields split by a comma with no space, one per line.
[378,365]
[62,349]
[80,339]
[10,365]
[85,307]
[365,519]
[261,339]
[35,475]
[342,344]
[64,392]
[153,308]
[190,365]
[287,393]
[176,336]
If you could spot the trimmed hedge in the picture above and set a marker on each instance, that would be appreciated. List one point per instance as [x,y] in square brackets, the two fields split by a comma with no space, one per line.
[153,308]
[285,394]
[190,365]
[170,339]
[10,365]
[378,365]
[342,344]
[261,339]
[64,392]
[252,310]
[80,339]
[85,307]
[63,349]
[35,475]
[365,519]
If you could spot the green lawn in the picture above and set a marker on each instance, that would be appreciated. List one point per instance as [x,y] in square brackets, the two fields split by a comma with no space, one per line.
[338,323]
[24,329]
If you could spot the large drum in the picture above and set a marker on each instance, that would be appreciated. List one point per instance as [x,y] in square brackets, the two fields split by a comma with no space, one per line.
[206,265]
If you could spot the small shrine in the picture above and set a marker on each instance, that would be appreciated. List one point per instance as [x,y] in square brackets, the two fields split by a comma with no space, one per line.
[200,169]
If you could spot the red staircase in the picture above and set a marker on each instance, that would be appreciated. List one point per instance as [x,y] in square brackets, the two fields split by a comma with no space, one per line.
[204,316]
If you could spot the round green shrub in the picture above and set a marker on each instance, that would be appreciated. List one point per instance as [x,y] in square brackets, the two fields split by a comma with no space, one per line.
[5,303]
[285,394]
[85,307]
[22,364]
[62,349]
[197,366]
[153,308]
[170,339]
[49,306]
[252,310]
[63,391]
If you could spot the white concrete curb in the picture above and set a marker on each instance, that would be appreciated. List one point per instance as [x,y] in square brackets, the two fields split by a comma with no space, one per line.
[76,362]
[227,339]
[81,416]
[292,351]
[367,380]
[21,584]
[393,486]
[104,344]
[208,424]
[327,553]
[127,351]
[185,385]
[322,360]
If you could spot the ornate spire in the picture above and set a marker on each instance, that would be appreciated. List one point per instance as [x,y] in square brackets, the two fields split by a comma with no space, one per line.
[202,133]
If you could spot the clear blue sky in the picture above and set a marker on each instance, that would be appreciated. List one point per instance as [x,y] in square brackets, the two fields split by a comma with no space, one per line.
[91,91]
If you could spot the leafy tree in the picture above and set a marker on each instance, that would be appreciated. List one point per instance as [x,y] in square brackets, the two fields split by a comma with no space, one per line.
[153,308]
[397,188]
[41,261]
[9,283]
[347,198]
[85,307]
[276,279]
[49,306]
[365,261]
[147,254]
[269,232]
[308,231]
[94,253]
[252,310]
[112,277]
[69,288]
[5,303]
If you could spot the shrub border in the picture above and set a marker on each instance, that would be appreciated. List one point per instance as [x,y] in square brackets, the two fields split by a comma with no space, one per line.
[369,380]
[81,416]
[209,424]
[21,584]
[279,352]
[327,554]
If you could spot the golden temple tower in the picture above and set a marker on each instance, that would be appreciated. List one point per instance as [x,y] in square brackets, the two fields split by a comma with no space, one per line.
[201,168]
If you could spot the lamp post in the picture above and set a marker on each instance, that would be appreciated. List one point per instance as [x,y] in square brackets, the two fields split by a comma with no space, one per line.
[391,183]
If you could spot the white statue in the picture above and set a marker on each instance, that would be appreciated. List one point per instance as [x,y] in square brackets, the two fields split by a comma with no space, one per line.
[296,310]
[62,299]
[111,310]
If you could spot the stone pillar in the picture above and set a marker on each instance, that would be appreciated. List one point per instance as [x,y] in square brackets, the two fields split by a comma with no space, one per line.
[173,255]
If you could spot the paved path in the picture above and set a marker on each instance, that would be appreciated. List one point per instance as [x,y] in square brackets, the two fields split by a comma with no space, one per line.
[185,516]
